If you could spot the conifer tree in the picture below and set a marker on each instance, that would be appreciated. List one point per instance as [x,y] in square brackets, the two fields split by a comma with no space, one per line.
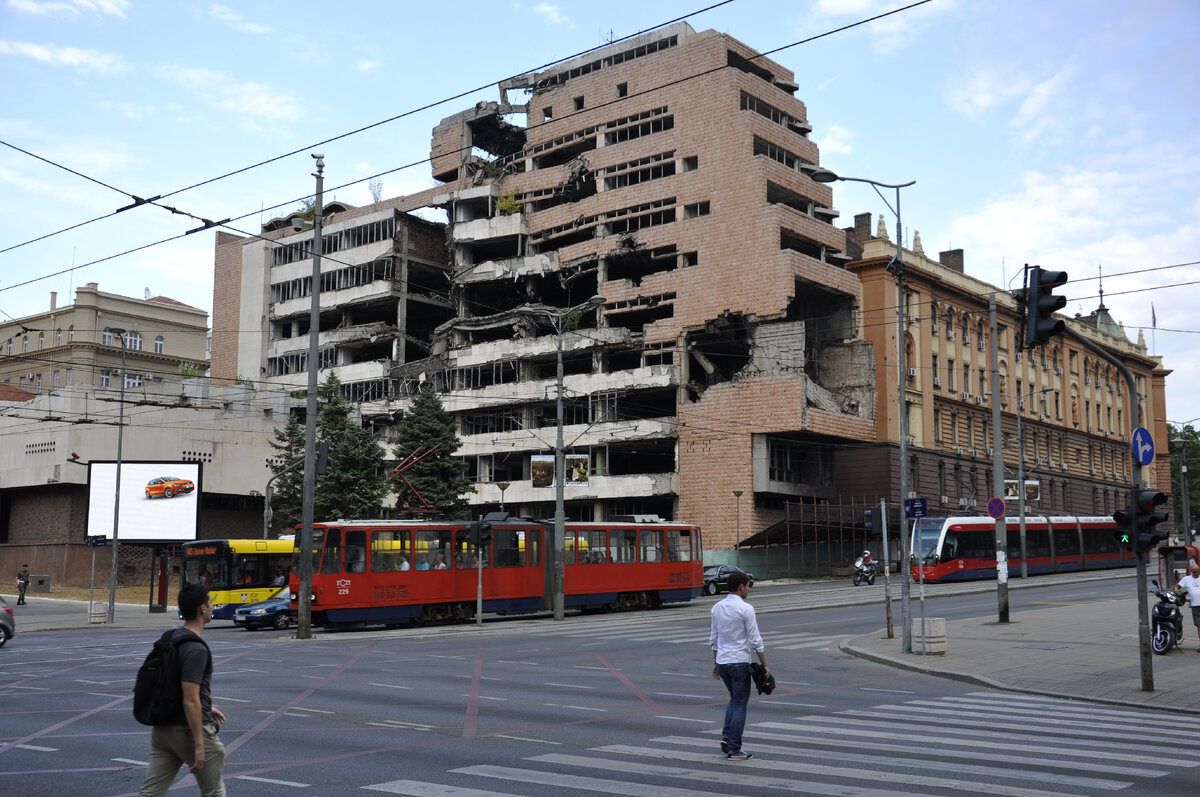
[439,477]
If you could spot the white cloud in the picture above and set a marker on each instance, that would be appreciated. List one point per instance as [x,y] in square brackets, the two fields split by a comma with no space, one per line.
[235,20]
[836,140]
[983,89]
[369,64]
[891,33]
[253,101]
[83,60]
[551,14]
[71,8]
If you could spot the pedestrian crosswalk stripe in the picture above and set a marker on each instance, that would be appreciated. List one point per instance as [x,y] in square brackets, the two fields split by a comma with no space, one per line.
[602,785]
[864,761]
[744,778]
[416,788]
[855,744]
[1046,724]
[983,739]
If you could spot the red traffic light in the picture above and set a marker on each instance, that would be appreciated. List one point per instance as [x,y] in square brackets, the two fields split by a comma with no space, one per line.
[1148,499]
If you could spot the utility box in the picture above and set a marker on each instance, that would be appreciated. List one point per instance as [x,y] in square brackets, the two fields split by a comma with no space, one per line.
[39,584]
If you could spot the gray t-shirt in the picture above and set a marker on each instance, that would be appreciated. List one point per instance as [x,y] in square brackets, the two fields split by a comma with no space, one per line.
[195,666]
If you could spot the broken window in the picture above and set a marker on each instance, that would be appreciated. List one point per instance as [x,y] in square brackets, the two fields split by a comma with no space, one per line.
[696,210]
[547,114]
[579,103]
[622,89]
[638,264]
[778,153]
[752,103]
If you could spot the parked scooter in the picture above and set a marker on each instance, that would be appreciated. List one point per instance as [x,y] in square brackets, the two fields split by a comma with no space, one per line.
[1166,620]
[864,569]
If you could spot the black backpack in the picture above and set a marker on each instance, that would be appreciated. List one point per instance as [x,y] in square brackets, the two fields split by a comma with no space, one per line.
[157,692]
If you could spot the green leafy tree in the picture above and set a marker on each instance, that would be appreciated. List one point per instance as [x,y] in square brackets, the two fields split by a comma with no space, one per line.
[439,477]
[1185,448]
[354,484]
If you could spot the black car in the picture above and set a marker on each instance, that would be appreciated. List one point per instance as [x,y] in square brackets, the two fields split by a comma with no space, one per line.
[271,613]
[716,579]
[8,624]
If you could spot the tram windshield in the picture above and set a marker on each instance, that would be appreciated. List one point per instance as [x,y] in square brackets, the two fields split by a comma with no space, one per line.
[926,533]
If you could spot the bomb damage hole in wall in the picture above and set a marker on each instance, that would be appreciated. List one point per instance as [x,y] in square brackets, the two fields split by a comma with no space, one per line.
[717,353]
[637,264]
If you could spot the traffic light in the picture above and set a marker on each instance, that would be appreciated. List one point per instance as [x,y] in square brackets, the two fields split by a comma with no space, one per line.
[1040,323]
[1144,536]
[479,533]
[868,517]
[322,457]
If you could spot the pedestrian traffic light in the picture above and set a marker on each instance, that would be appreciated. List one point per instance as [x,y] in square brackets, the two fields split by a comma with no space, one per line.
[479,533]
[1041,304]
[1143,536]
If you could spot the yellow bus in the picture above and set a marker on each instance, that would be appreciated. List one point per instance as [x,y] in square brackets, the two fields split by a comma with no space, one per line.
[237,572]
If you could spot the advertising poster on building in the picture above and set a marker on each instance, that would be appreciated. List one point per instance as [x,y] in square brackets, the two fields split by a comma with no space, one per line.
[1033,490]
[160,501]
[577,467]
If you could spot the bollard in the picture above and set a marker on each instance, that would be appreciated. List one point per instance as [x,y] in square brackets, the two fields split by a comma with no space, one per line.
[934,636]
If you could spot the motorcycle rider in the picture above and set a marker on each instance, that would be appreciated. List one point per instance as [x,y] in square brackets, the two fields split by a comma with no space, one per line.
[1191,583]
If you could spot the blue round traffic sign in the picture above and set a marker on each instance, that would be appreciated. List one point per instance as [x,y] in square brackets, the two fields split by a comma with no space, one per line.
[1143,446]
[996,508]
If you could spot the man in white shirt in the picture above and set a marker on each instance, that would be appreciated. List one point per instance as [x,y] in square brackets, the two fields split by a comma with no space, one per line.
[1191,583]
[735,640]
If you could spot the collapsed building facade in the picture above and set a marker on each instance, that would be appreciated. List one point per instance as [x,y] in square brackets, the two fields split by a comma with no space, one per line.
[667,174]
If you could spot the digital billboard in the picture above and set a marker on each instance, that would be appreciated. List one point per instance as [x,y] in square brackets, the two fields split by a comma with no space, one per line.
[160,501]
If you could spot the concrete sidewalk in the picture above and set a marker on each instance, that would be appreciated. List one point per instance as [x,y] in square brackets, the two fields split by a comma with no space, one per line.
[1085,651]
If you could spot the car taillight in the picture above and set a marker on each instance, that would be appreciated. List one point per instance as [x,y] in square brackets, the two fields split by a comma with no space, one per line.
[8,609]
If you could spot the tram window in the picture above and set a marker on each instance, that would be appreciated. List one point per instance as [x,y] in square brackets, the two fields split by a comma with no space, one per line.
[622,546]
[568,546]
[436,547]
[1066,542]
[356,551]
[593,547]
[1099,541]
[652,545]
[974,544]
[390,551]
[510,547]
[465,555]
[950,547]
[331,561]
[533,548]
[1037,542]
[679,545]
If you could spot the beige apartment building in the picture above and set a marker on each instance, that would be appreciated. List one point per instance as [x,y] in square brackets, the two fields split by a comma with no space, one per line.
[1073,405]
[66,347]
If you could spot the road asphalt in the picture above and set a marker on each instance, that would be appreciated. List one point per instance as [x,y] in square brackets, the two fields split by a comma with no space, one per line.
[1085,651]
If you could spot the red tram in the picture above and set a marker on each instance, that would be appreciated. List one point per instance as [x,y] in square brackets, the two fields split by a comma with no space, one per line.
[391,572]
[964,548]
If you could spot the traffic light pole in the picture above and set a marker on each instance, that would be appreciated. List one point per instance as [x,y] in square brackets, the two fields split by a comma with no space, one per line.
[1145,654]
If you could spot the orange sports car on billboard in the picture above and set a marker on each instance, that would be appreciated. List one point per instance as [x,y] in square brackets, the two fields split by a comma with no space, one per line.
[167,486]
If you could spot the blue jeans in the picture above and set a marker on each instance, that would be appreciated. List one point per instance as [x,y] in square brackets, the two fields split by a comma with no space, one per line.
[737,681]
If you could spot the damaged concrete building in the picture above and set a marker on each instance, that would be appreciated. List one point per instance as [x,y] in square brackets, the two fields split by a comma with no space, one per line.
[723,371]
[667,174]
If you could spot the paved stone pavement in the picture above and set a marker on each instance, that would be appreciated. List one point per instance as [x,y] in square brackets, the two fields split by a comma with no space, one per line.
[1087,651]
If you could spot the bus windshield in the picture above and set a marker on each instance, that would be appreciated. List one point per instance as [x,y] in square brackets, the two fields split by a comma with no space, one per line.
[926,532]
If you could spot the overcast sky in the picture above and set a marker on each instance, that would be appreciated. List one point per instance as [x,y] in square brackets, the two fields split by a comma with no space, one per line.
[1038,131]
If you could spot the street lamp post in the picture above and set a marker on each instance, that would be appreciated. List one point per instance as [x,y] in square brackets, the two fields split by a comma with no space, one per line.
[503,486]
[560,470]
[896,269]
[304,613]
[112,577]
[737,542]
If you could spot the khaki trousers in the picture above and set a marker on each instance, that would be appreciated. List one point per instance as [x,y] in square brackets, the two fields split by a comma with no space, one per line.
[171,747]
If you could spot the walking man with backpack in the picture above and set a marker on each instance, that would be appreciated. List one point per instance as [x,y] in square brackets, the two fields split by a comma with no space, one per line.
[186,732]
[735,640]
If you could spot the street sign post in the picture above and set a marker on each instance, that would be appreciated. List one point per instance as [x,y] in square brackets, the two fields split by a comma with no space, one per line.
[1142,446]
[916,508]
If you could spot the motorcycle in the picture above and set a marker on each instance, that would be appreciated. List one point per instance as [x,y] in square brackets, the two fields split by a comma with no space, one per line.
[1166,620]
[864,569]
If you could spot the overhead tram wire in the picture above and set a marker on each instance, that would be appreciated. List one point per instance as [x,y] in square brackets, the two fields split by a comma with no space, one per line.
[139,201]
[209,224]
